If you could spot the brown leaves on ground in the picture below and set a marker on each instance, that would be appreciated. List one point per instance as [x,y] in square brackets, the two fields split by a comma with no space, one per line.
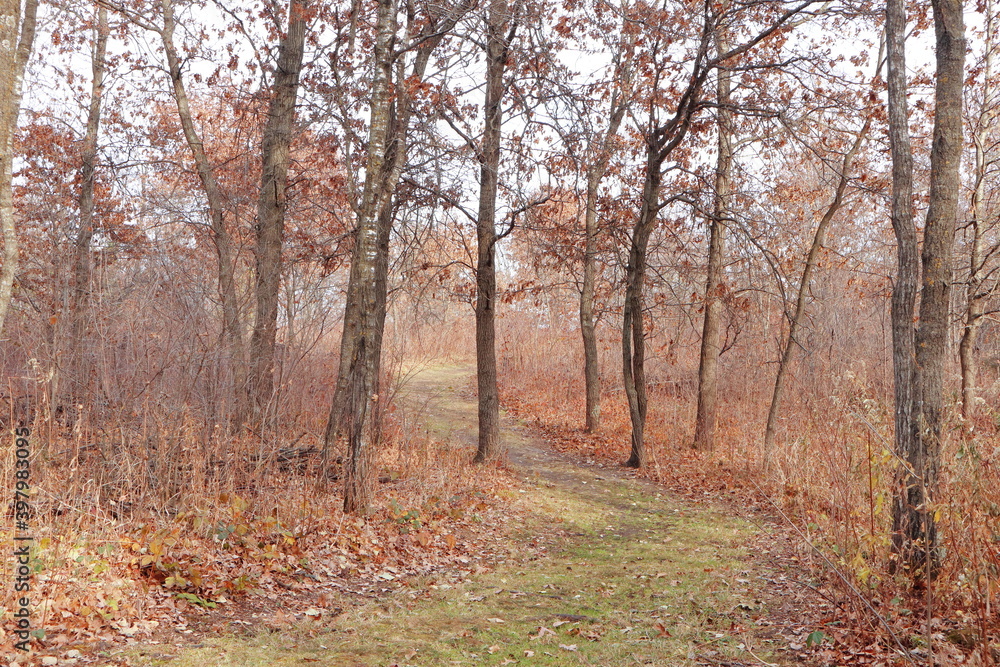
[807,598]
[236,555]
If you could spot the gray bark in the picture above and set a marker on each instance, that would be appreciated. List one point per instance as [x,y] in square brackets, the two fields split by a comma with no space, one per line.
[595,173]
[365,311]
[914,528]
[17,36]
[271,207]
[497,48]
[711,337]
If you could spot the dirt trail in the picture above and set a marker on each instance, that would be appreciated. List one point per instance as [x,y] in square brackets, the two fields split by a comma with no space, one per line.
[445,395]
[605,569]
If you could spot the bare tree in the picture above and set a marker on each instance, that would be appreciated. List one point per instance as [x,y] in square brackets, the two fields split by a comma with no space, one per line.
[85,232]
[805,283]
[980,284]
[272,204]
[661,138]
[919,356]
[391,106]
[602,151]
[232,329]
[501,25]
[711,345]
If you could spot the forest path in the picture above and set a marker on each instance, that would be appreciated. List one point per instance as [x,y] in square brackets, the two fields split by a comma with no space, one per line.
[641,576]
[605,570]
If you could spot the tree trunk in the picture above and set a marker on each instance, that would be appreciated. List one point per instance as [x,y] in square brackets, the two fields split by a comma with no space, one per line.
[633,335]
[976,293]
[232,334]
[359,343]
[17,36]
[907,258]
[800,302]
[81,245]
[591,367]
[914,527]
[271,207]
[596,172]
[497,47]
[365,311]
[711,337]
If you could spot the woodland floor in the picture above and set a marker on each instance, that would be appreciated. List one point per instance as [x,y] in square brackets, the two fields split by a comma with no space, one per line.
[592,566]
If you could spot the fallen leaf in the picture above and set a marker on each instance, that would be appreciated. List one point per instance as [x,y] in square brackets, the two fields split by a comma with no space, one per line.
[568,647]
[496,620]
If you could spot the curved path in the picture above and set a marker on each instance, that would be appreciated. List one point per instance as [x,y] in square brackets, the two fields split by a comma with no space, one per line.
[604,569]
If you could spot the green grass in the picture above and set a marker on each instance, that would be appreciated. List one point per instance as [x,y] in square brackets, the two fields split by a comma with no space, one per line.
[632,579]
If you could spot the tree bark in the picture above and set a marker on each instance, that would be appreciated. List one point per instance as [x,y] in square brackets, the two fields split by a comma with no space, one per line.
[17,36]
[356,386]
[907,257]
[711,337]
[497,49]
[591,366]
[819,238]
[81,245]
[914,527]
[595,173]
[271,207]
[232,334]
[976,292]
[633,335]
[365,311]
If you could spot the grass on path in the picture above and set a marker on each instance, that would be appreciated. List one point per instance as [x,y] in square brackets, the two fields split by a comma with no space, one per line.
[611,573]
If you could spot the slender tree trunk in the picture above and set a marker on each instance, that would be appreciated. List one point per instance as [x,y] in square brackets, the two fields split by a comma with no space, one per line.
[633,334]
[359,343]
[914,527]
[711,337]
[591,367]
[232,334]
[596,172]
[819,238]
[904,291]
[271,207]
[976,294]
[81,245]
[17,36]
[497,47]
